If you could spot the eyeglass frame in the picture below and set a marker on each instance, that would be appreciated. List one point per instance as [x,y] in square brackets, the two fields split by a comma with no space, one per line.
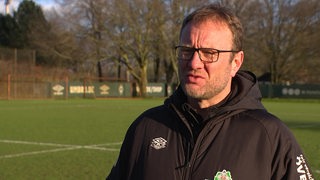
[199,49]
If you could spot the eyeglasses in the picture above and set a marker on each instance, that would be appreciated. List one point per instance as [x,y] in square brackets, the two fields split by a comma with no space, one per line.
[206,55]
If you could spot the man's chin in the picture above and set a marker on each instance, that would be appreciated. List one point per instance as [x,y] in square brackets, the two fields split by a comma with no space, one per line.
[192,91]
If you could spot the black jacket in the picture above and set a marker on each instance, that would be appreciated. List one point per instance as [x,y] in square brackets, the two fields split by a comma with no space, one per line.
[237,138]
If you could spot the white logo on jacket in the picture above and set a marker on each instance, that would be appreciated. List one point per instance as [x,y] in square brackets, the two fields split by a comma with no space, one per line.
[158,143]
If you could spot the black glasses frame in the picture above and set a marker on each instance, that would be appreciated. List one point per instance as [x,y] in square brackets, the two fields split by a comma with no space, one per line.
[218,51]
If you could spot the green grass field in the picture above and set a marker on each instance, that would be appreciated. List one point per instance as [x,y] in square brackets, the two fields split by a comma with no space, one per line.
[80,138]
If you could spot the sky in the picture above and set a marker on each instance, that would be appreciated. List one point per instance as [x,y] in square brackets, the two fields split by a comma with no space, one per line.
[45,4]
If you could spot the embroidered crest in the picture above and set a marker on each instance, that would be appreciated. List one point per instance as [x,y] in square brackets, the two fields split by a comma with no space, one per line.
[158,143]
[224,175]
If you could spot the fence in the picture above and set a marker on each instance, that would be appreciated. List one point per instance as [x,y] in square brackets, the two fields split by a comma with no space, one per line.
[24,87]
[31,87]
[293,91]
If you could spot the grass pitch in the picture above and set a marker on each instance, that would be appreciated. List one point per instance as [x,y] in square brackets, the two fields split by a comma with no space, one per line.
[80,139]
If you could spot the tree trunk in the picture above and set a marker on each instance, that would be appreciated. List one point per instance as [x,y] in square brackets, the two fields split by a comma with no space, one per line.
[143,81]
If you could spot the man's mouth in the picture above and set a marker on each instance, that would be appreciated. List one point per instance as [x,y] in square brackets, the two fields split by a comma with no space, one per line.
[193,78]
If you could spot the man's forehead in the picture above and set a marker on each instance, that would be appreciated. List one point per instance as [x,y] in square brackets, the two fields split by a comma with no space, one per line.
[208,21]
[196,25]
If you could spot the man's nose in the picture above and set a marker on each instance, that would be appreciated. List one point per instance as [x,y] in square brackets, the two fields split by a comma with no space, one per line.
[195,62]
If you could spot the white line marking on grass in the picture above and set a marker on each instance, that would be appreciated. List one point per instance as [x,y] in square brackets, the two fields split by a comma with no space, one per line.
[63,147]
[36,143]
[38,152]
[94,146]
[99,148]
[108,144]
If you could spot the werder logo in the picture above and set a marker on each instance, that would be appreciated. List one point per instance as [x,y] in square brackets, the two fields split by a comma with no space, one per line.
[158,143]
[224,175]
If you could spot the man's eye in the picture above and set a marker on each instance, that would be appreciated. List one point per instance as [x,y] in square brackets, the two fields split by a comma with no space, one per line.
[187,50]
[208,52]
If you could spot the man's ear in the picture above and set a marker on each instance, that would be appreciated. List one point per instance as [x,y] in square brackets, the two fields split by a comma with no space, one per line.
[236,62]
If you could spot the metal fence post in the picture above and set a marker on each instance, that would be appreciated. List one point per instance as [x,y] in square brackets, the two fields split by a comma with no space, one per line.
[9,86]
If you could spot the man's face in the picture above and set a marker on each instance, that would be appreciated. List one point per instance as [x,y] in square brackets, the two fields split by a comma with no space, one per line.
[208,81]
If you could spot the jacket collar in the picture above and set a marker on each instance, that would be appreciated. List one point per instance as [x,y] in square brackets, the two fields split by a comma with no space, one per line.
[245,95]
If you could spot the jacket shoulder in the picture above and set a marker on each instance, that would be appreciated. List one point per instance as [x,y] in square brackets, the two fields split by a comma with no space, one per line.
[275,129]
[286,151]
[280,136]
[266,119]
[158,113]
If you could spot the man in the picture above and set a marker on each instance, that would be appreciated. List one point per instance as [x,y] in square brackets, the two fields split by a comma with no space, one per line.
[214,125]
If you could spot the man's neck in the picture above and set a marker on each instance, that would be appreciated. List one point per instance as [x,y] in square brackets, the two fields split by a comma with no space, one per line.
[205,103]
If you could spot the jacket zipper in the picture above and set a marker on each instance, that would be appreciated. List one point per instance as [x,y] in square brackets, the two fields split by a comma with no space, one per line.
[191,148]
[190,144]
[191,160]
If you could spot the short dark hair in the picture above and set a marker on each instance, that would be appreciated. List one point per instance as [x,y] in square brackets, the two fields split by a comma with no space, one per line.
[216,12]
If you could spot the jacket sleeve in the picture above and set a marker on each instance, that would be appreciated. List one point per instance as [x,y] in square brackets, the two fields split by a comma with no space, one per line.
[288,159]
[127,165]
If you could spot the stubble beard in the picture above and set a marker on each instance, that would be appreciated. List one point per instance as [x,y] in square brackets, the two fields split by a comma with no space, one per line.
[209,90]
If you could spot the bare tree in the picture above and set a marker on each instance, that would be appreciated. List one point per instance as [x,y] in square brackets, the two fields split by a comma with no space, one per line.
[130,32]
[281,35]
[86,20]
[139,36]
[144,33]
